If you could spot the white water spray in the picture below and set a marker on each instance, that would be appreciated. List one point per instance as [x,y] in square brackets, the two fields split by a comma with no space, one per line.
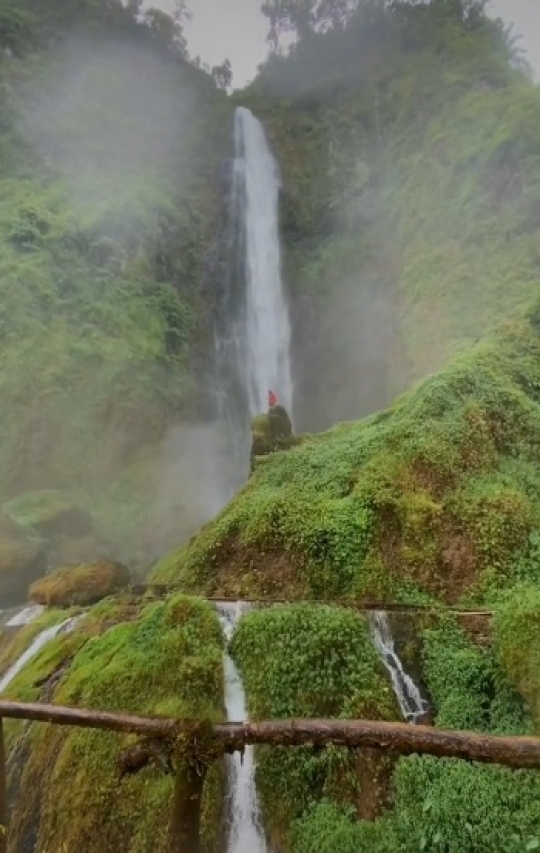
[25,616]
[37,644]
[409,698]
[265,330]
[245,831]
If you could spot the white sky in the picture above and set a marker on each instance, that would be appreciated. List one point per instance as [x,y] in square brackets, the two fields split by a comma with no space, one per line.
[236,29]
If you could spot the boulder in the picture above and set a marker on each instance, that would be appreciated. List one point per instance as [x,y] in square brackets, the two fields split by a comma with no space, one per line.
[21,562]
[270,432]
[80,585]
[51,513]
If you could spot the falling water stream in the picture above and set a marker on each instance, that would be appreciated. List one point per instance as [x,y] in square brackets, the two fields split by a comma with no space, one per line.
[409,698]
[245,831]
[35,646]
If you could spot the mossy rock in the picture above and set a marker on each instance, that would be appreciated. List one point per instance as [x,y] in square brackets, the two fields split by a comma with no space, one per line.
[80,585]
[64,782]
[51,513]
[21,562]
[270,432]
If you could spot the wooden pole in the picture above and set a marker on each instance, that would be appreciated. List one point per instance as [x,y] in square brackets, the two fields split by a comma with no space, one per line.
[185,826]
[393,738]
[3,792]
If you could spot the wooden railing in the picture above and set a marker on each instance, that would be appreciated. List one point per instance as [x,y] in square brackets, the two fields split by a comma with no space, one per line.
[162,590]
[392,738]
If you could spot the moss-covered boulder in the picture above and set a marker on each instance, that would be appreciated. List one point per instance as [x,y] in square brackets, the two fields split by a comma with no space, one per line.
[21,562]
[64,787]
[80,585]
[438,494]
[51,513]
[271,431]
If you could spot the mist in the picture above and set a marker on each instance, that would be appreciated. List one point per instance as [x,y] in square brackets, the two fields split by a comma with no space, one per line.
[114,126]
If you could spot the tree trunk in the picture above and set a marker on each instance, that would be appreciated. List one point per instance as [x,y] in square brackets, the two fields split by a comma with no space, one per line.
[393,738]
[185,827]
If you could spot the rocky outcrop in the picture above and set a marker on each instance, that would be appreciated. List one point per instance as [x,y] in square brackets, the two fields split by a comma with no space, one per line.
[80,585]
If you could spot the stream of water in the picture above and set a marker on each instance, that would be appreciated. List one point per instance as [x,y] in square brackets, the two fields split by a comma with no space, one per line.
[410,700]
[245,834]
[35,646]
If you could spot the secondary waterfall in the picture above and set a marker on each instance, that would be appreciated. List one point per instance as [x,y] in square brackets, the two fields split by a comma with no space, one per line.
[245,831]
[35,646]
[410,700]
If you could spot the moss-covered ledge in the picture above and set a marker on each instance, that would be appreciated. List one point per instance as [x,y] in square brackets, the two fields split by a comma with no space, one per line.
[437,495]
[167,659]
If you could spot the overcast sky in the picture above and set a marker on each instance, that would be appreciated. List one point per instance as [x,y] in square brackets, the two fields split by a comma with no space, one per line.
[236,29]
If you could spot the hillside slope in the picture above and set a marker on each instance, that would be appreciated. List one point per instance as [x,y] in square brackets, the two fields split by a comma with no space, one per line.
[438,495]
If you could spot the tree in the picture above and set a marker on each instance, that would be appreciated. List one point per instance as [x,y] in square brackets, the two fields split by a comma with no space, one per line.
[222,75]
[300,17]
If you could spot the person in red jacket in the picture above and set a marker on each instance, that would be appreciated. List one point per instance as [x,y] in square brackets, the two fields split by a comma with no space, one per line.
[272,399]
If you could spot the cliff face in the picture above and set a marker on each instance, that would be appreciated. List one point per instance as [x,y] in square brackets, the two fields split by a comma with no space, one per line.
[408,152]
[112,145]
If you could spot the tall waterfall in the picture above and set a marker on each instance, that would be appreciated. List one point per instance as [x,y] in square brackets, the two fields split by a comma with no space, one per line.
[266,325]
[409,698]
[254,337]
[245,831]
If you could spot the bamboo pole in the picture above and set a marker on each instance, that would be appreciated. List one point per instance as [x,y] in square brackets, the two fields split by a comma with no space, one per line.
[388,606]
[393,738]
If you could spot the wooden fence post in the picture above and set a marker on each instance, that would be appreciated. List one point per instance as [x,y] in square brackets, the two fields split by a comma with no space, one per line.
[3,792]
[185,827]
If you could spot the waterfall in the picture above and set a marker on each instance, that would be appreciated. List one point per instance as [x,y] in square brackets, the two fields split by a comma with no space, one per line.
[35,646]
[254,339]
[245,833]
[25,616]
[409,698]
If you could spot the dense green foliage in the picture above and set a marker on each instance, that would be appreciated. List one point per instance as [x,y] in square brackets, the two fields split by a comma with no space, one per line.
[109,146]
[518,643]
[72,773]
[308,661]
[438,493]
[446,806]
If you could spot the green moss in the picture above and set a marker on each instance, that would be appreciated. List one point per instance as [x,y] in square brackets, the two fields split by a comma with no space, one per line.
[308,661]
[439,493]
[516,631]
[80,585]
[167,660]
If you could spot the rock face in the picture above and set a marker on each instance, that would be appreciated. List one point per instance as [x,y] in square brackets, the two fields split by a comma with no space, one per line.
[270,432]
[51,513]
[80,585]
[21,562]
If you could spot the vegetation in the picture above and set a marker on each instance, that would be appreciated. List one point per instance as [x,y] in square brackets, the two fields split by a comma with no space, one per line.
[336,673]
[80,585]
[118,667]
[110,203]
[438,493]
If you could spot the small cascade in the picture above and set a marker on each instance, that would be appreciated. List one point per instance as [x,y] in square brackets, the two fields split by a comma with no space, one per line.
[410,700]
[245,831]
[25,616]
[36,645]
